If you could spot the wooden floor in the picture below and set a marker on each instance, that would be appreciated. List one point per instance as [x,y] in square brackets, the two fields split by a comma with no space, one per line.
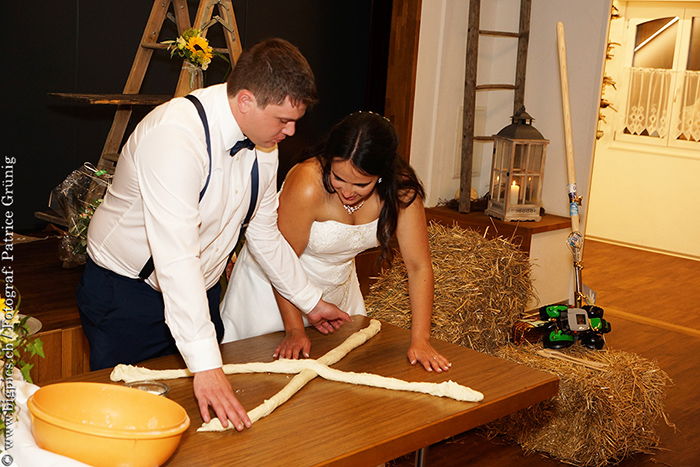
[651,301]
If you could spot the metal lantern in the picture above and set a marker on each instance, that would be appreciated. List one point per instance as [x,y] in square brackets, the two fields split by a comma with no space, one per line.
[517,171]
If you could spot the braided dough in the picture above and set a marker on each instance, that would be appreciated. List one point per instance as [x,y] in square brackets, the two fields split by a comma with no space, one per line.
[305,371]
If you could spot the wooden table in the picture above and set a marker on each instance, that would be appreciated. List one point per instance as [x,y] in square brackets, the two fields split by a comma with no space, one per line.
[329,423]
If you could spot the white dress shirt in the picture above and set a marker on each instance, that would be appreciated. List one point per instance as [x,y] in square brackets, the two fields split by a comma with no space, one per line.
[153,208]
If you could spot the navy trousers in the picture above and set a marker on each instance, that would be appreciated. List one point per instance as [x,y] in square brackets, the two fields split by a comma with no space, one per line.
[124,319]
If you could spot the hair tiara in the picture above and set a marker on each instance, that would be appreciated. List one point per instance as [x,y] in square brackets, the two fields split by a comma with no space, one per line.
[370,112]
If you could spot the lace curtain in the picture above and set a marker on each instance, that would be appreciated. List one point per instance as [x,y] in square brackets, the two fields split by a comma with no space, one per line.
[647,102]
[688,115]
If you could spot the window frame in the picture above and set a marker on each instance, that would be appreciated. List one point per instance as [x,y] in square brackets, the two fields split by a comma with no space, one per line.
[637,13]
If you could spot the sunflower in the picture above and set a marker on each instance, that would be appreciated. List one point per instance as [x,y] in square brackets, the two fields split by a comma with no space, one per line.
[200,51]
[192,47]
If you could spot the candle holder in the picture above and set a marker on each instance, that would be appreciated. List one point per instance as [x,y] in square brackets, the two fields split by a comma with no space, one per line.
[517,171]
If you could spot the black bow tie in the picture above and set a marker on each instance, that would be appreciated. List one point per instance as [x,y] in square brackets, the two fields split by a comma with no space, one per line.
[244,143]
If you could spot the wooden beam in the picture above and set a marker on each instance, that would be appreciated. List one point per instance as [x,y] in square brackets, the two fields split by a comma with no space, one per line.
[401,72]
[485,32]
[490,87]
[465,185]
[112,99]
[521,64]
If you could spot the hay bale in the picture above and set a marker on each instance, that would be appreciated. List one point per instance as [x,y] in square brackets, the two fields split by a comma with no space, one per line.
[481,288]
[599,416]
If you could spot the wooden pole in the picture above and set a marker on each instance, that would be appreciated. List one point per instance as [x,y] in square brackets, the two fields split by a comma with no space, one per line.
[575,239]
[571,187]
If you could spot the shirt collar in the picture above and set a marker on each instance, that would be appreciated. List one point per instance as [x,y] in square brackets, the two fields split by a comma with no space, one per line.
[228,128]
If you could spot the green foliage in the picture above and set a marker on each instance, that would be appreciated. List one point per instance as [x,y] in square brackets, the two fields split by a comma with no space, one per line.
[19,346]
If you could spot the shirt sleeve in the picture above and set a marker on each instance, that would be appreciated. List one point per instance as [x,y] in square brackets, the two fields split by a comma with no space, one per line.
[275,256]
[167,161]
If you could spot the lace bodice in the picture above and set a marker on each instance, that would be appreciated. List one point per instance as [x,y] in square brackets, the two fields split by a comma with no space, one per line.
[329,255]
[249,307]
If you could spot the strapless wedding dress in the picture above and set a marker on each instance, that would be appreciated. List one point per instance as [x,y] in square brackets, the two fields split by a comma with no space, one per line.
[249,307]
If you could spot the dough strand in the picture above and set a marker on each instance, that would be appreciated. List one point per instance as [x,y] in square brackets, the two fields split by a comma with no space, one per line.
[305,371]
[299,381]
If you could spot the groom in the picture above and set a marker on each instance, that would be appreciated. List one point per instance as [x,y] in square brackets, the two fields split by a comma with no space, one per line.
[189,178]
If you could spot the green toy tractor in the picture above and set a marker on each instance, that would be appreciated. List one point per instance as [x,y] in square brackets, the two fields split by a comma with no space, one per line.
[566,325]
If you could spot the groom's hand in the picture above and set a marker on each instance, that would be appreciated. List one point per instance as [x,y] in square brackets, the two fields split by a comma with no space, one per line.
[327,317]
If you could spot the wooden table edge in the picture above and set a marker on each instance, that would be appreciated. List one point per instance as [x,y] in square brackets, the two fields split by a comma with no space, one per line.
[451,426]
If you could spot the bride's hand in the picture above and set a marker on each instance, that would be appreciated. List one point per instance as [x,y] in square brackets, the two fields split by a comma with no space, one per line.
[295,342]
[424,353]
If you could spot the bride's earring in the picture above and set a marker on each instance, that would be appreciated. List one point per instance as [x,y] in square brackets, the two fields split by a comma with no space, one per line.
[380,180]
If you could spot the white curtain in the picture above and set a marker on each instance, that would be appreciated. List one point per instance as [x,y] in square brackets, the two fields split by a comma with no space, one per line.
[688,114]
[647,102]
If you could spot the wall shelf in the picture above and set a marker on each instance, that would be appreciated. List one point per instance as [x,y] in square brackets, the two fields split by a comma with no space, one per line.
[113,99]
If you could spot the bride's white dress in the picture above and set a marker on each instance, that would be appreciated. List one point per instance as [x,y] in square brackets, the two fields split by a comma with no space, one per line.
[249,307]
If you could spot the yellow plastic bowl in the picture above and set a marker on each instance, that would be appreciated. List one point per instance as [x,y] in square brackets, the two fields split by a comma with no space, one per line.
[106,425]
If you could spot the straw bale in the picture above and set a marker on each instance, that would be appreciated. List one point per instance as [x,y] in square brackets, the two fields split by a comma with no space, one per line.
[481,288]
[599,416]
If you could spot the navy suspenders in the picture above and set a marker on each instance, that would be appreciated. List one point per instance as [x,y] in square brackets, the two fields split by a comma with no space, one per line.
[148,268]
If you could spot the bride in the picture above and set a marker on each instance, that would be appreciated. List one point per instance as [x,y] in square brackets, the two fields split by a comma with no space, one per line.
[354,193]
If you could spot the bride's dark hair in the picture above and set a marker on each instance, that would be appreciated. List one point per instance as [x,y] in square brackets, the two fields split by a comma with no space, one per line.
[370,142]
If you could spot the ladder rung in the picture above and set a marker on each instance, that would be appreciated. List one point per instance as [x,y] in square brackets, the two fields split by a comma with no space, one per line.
[486,87]
[159,46]
[154,45]
[109,168]
[484,32]
[113,99]
[52,217]
[107,165]
[110,157]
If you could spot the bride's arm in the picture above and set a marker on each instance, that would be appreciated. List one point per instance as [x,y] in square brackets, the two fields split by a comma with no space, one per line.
[412,235]
[299,202]
[295,342]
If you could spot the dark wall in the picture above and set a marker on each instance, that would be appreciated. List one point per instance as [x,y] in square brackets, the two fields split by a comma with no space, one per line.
[87,46]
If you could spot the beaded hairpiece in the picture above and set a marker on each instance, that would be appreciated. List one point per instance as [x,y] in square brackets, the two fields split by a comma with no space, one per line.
[373,113]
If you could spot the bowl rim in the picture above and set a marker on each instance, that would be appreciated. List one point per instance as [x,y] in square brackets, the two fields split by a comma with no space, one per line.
[40,413]
[149,382]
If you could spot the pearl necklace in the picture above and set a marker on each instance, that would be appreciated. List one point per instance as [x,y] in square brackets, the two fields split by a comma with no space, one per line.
[351,209]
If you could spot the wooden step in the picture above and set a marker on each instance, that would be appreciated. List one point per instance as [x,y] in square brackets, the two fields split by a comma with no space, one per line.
[113,99]
[51,216]
[154,45]
[485,87]
[484,32]
[110,157]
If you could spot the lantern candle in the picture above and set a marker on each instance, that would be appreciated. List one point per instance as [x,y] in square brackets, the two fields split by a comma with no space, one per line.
[514,193]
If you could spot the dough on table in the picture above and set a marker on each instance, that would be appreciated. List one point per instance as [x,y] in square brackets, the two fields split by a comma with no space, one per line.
[305,371]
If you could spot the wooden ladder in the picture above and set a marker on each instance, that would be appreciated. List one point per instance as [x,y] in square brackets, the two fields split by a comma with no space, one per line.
[470,87]
[149,42]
